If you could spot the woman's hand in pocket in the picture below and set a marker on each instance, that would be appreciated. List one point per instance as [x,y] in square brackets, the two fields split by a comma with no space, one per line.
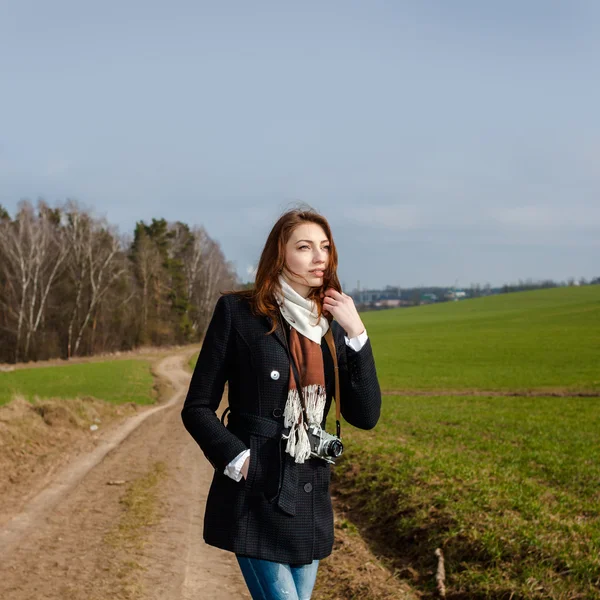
[244,469]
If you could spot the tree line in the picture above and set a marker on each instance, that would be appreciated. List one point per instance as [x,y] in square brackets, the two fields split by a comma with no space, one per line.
[529,284]
[71,285]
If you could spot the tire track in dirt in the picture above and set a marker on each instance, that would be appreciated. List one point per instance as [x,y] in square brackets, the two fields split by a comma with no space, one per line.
[57,549]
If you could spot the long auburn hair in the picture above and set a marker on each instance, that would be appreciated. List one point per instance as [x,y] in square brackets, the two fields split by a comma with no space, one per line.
[272,261]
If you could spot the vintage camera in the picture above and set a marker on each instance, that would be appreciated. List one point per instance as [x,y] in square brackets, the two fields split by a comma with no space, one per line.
[324,445]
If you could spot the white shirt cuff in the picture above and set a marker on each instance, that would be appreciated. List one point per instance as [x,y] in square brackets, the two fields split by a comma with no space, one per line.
[234,468]
[356,343]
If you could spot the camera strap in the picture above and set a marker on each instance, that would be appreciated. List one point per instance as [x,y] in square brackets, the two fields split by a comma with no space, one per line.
[331,344]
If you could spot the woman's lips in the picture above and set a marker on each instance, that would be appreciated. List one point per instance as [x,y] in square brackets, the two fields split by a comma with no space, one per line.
[317,273]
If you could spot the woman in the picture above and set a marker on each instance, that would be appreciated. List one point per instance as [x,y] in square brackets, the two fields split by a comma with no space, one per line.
[269,500]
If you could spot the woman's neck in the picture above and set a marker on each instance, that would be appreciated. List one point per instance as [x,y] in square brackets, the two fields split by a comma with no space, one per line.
[303,290]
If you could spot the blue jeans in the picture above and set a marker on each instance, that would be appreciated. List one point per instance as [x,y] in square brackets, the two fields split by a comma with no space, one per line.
[268,580]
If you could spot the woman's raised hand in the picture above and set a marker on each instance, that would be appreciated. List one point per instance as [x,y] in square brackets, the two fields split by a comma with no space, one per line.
[341,307]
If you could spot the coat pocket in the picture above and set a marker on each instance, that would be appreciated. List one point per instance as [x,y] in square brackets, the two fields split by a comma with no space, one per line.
[263,468]
[252,463]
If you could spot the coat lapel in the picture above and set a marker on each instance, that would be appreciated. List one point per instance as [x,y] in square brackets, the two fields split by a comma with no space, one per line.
[280,334]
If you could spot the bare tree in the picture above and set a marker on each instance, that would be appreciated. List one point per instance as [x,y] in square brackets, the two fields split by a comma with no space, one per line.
[34,253]
[103,268]
[94,251]
[78,234]
[188,245]
[215,276]
[193,268]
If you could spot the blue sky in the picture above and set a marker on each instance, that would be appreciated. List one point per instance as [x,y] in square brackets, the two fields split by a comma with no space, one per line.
[444,141]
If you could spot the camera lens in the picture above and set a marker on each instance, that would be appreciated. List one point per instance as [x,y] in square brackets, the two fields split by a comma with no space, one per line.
[335,448]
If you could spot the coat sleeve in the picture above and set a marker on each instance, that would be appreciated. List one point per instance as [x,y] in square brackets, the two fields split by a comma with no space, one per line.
[220,446]
[360,393]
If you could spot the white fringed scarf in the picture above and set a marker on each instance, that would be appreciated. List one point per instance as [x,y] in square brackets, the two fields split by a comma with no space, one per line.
[305,348]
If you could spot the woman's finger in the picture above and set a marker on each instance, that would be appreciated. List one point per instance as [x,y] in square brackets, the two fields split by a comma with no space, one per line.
[334,294]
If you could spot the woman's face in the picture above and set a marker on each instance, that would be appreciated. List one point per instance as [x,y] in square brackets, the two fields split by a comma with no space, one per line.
[306,258]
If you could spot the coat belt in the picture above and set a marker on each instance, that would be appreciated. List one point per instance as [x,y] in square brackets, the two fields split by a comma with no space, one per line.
[288,473]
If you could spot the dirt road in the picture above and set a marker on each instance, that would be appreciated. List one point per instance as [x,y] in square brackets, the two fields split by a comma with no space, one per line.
[124,521]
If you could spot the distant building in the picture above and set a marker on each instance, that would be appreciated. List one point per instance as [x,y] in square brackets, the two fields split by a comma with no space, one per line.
[389,303]
[429,298]
[374,296]
[456,294]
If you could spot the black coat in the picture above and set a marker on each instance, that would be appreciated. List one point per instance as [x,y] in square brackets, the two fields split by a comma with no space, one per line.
[282,512]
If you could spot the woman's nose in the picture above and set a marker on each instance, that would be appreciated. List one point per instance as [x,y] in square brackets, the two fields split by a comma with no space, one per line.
[320,256]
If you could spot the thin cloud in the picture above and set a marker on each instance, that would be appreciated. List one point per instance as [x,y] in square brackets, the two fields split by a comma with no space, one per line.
[56,167]
[537,217]
[399,218]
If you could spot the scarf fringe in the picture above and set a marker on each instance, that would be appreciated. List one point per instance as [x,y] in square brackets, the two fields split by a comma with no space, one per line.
[298,444]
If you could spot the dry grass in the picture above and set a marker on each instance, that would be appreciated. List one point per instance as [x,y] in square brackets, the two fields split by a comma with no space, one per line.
[37,438]
[141,510]
[354,572]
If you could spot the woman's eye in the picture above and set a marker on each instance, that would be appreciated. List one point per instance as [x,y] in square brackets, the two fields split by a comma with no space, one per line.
[305,246]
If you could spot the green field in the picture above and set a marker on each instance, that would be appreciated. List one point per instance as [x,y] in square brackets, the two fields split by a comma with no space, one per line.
[115,381]
[541,339]
[507,487]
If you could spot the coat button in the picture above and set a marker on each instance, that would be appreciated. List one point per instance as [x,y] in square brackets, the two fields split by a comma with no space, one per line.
[308,488]
[274,374]
[277,412]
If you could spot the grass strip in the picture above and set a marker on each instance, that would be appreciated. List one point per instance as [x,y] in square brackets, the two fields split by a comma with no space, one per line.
[193,360]
[507,487]
[140,511]
[115,381]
